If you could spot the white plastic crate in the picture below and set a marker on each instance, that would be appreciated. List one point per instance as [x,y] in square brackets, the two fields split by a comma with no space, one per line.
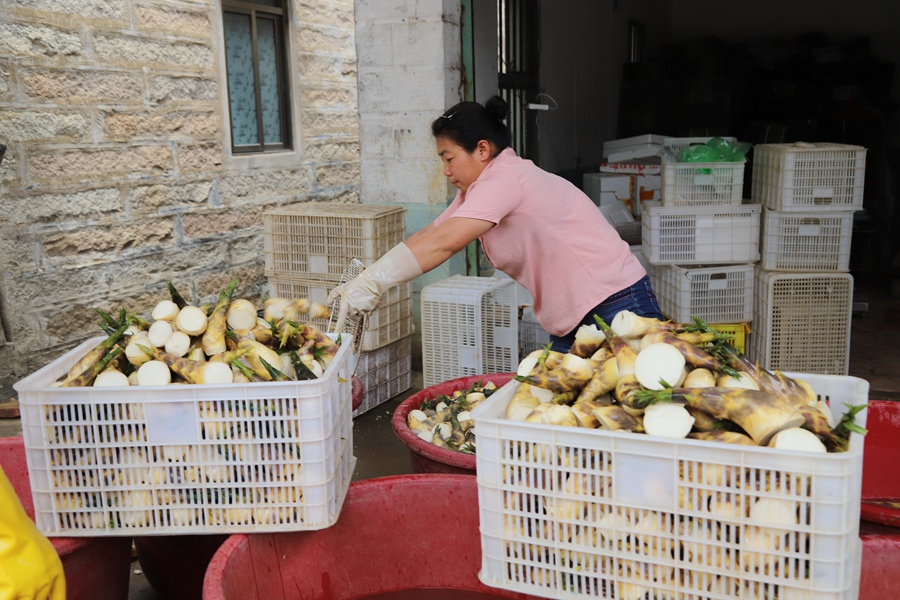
[807,241]
[696,235]
[469,327]
[531,335]
[802,321]
[630,232]
[702,184]
[317,240]
[187,459]
[523,296]
[721,294]
[576,513]
[384,373]
[391,321]
[804,176]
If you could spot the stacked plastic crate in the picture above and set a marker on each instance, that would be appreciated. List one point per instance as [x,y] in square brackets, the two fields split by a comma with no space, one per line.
[702,242]
[309,246]
[803,291]
[531,335]
[469,327]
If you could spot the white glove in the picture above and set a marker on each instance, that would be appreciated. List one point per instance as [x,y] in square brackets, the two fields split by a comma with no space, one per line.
[362,294]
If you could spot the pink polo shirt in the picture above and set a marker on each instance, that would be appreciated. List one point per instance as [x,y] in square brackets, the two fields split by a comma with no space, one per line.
[549,237]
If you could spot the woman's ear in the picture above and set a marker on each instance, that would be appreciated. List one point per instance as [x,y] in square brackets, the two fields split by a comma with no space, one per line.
[484,150]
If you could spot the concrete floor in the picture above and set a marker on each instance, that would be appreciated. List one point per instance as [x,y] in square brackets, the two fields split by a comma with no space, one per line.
[874,353]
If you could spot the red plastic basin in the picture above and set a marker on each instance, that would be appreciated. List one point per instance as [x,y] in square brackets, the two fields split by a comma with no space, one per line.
[880,573]
[95,568]
[358,392]
[425,456]
[880,457]
[394,533]
[176,564]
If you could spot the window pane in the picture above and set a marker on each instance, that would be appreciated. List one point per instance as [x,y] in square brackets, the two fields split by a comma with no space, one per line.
[268,80]
[275,3]
[241,90]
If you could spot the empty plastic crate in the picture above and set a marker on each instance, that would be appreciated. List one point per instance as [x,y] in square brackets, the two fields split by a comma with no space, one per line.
[469,327]
[715,294]
[187,459]
[702,184]
[807,241]
[802,321]
[697,235]
[630,232]
[577,513]
[317,240]
[384,373]
[804,176]
[523,296]
[531,335]
[391,321]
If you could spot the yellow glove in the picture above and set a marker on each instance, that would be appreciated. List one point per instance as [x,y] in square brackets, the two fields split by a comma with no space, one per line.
[30,568]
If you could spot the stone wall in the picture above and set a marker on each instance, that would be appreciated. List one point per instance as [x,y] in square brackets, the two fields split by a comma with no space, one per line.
[118,174]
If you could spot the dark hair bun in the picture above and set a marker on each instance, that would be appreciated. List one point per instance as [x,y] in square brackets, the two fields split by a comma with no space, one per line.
[496,107]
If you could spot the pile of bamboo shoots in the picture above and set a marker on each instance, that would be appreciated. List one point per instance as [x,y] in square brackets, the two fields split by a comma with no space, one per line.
[674,380]
[446,421]
[225,343]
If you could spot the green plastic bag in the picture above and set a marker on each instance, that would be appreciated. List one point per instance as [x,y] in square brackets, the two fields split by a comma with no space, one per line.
[717,149]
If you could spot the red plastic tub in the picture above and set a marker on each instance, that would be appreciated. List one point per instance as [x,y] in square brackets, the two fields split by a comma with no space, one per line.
[358,392]
[880,484]
[879,577]
[176,564]
[425,456]
[95,568]
[406,532]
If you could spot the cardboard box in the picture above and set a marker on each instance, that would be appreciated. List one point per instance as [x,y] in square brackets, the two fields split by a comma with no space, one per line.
[640,146]
[617,213]
[607,188]
[647,166]
[647,188]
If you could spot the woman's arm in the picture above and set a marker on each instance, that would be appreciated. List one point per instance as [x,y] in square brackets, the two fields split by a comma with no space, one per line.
[433,245]
[420,233]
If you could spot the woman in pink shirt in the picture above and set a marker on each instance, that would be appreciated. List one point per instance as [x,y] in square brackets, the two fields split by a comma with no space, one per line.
[534,226]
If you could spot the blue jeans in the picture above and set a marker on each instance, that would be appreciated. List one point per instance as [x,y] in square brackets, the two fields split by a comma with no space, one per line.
[639,299]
